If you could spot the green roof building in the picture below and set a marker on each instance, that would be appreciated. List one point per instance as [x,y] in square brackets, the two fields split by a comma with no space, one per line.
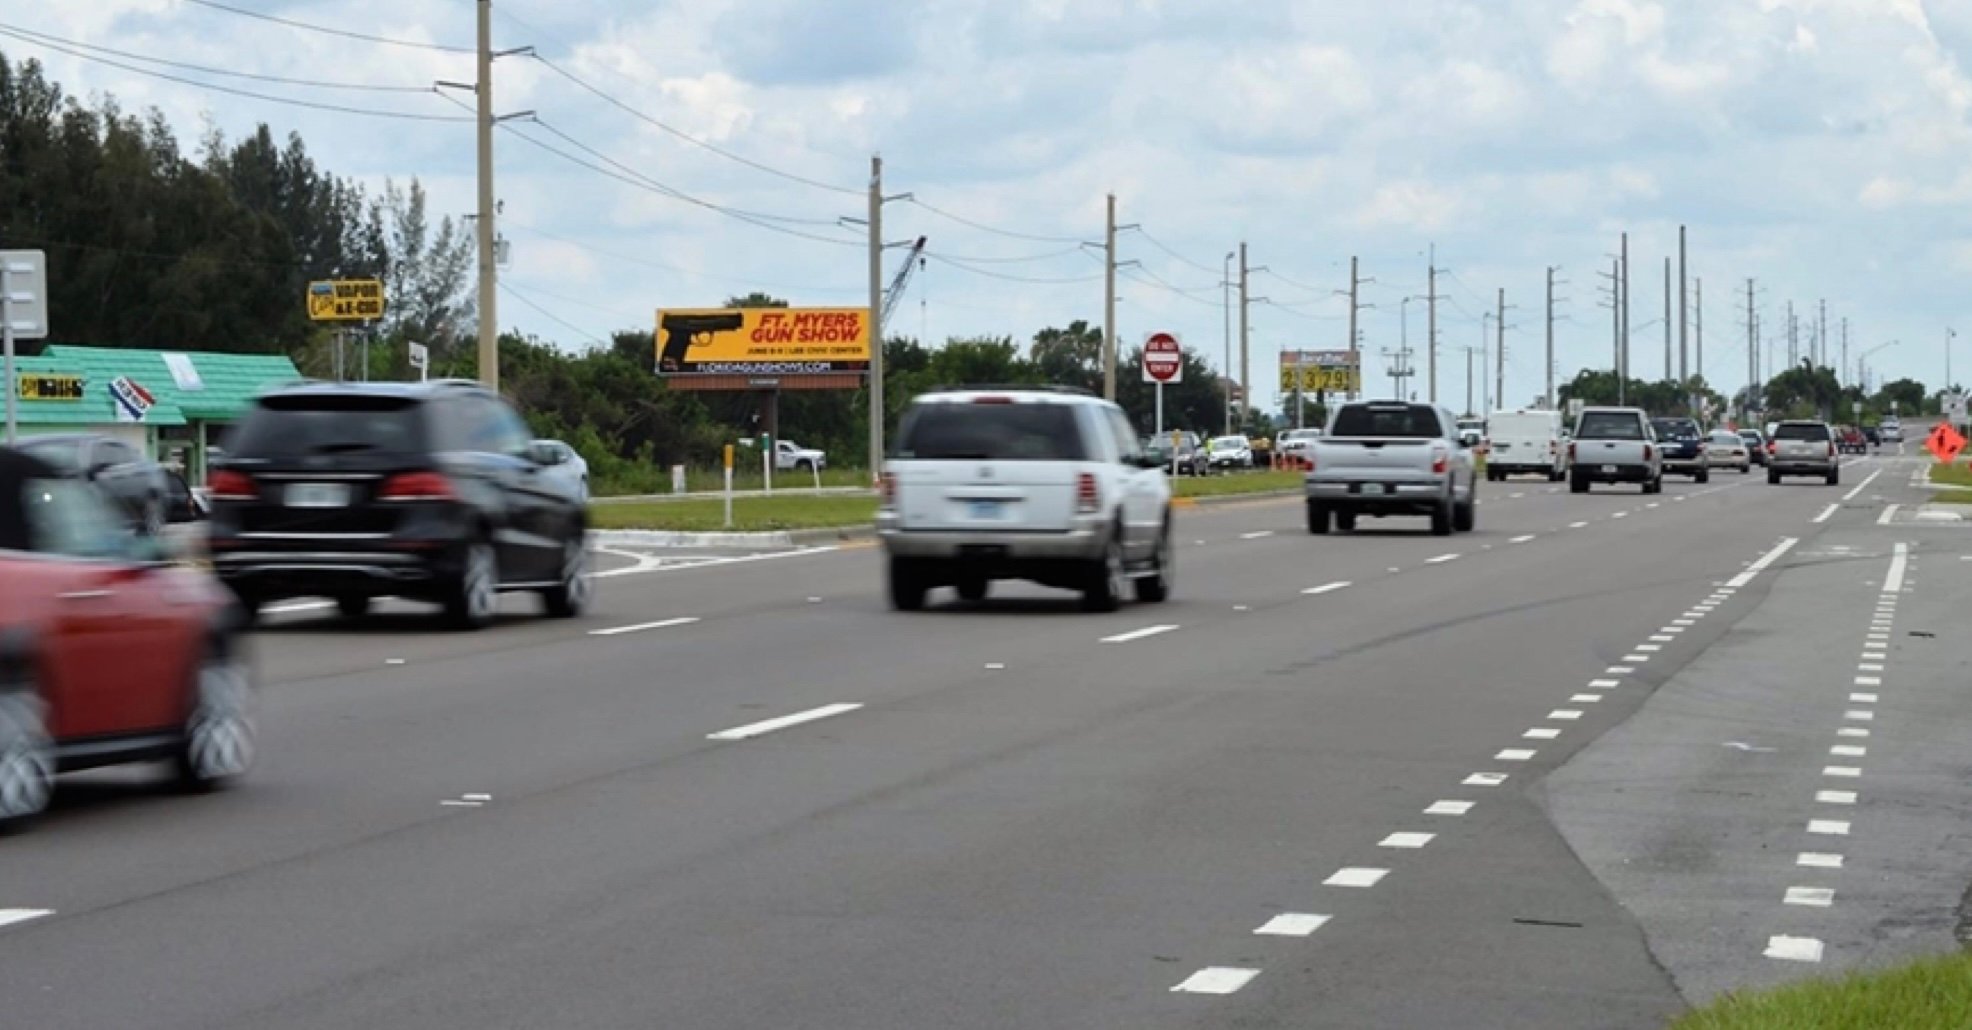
[173,404]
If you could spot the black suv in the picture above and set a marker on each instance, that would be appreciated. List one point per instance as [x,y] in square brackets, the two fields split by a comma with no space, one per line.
[430,491]
[1683,444]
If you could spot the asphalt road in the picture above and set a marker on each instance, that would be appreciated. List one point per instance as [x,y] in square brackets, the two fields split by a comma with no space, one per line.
[1359,781]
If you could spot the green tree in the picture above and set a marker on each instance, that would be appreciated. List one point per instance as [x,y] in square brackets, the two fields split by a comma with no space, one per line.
[1907,395]
[1071,356]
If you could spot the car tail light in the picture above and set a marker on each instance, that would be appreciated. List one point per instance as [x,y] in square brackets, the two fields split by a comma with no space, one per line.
[228,485]
[417,486]
[1831,448]
[1440,461]
[1088,496]
[992,400]
[1773,447]
[1648,453]
[1571,453]
[886,485]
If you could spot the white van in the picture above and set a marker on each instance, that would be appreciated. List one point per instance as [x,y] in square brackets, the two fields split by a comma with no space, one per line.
[1526,442]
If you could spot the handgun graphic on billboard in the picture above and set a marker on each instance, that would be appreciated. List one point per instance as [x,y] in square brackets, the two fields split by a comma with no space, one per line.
[762,341]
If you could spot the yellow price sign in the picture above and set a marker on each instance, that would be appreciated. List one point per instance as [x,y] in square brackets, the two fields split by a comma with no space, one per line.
[345,300]
[1317,378]
[44,386]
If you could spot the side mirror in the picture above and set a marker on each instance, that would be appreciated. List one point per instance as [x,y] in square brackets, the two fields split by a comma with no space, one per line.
[541,452]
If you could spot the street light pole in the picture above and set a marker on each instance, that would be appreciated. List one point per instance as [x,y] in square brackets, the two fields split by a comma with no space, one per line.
[1225,292]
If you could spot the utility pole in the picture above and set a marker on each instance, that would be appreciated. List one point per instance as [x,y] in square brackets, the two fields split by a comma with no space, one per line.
[1431,320]
[1684,316]
[489,316]
[877,412]
[1547,368]
[1845,347]
[1485,358]
[1698,316]
[1109,304]
[1667,318]
[1245,383]
[1225,297]
[1821,336]
[1793,337]
[1354,283]
[1469,351]
[1499,354]
[1752,346]
[1615,277]
[1623,320]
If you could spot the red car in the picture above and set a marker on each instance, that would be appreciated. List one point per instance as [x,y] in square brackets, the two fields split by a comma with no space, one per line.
[106,655]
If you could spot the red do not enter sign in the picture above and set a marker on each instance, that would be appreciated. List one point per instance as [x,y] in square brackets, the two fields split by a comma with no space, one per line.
[1163,358]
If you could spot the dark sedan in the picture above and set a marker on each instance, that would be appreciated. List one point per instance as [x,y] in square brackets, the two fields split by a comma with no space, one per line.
[139,486]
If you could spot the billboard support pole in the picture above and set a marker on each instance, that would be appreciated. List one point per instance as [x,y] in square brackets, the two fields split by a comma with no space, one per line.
[729,486]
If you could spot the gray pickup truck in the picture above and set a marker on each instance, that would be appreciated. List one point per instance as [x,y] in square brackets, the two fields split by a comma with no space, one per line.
[1383,458]
[1615,445]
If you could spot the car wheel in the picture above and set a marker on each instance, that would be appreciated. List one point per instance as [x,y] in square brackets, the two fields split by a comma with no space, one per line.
[804,466]
[353,606]
[219,734]
[248,607]
[1557,476]
[569,597]
[906,585]
[1578,484]
[1106,579]
[1834,477]
[973,589]
[476,595]
[1465,516]
[1156,587]
[1441,519]
[1317,518]
[1746,469]
[1702,476]
[27,756]
[1773,478]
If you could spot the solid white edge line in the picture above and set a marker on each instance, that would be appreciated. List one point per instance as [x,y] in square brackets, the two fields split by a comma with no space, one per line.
[755,729]
[1826,513]
[10,916]
[1216,980]
[1893,582]
[1762,563]
[1138,634]
[1327,588]
[638,627]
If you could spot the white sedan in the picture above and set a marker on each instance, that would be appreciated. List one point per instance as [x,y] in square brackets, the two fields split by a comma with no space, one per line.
[1231,452]
[1728,450]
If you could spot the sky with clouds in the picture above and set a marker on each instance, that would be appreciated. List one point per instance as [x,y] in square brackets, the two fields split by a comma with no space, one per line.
[1822,147]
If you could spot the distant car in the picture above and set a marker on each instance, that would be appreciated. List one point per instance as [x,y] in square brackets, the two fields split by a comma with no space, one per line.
[1186,457]
[137,484]
[1531,442]
[1726,450]
[1849,440]
[1614,445]
[106,655]
[1383,458]
[429,491]
[1293,445]
[1682,445]
[1043,485]
[1756,445]
[1892,430]
[564,466]
[792,457]
[1803,448]
[1231,452]
[1874,435]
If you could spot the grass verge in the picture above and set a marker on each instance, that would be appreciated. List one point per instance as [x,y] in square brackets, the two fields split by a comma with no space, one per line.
[1952,475]
[750,514]
[1932,994]
[1237,483]
[1952,497]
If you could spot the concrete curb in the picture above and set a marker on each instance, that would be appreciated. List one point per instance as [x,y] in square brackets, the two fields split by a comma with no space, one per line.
[840,534]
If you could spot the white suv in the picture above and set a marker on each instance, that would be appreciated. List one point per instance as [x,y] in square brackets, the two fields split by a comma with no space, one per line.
[1044,485]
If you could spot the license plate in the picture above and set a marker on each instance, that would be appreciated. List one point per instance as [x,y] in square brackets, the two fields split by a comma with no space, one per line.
[318,495]
[986,510]
[1609,469]
[1372,488]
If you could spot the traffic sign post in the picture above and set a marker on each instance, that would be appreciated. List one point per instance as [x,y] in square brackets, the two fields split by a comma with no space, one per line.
[421,360]
[23,313]
[1163,362]
[1944,443]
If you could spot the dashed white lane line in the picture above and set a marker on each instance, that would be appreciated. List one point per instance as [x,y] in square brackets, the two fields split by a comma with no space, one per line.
[1864,699]
[755,729]
[1521,539]
[1817,897]
[1849,751]
[1604,684]
[1619,670]
[1836,797]
[1516,754]
[1620,515]
[1819,860]
[1760,565]
[1541,733]
[641,626]
[1793,949]
[1841,772]
[1564,714]
[1889,513]
[1860,487]
[1406,840]
[1138,634]
[1636,658]
[1894,581]
[1829,827]
[1652,504]
[1852,731]
[1258,534]
[1869,667]
[1859,715]
[10,916]
[283,609]
[1585,699]
[1216,980]
[1292,924]
[1515,496]
[1327,588]
[1448,808]
[1826,513]
[1684,623]
[1578,525]
[1441,559]
[1661,638]
[1484,779]
[1649,648]
[1355,876]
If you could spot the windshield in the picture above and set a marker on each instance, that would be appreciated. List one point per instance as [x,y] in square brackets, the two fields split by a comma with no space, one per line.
[1228,442]
[1610,425]
[1404,421]
[292,427]
[996,432]
[1802,431]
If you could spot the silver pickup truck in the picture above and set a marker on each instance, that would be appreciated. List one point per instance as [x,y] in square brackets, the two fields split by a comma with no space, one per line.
[1615,445]
[1391,458]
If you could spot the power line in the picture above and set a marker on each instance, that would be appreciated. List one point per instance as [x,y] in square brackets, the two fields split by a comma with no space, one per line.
[215,87]
[982,227]
[961,265]
[545,313]
[1153,241]
[283,80]
[1155,283]
[385,40]
[604,96]
[673,191]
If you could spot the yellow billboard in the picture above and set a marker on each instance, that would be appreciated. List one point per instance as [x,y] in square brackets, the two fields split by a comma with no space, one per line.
[1315,371]
[345,300]
[762,341]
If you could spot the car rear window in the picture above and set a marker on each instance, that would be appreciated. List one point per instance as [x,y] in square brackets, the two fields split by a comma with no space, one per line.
[1610,425]
[991,432]
[1674,428]
[63,454]
[290,427]
[1801,431]
[1729,439]
[1394,420]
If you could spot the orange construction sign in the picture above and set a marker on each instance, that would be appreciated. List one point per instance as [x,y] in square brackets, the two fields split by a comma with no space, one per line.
[1944,443]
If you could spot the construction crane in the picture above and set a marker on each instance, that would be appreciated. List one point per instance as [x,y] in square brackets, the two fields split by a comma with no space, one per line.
[895,295]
